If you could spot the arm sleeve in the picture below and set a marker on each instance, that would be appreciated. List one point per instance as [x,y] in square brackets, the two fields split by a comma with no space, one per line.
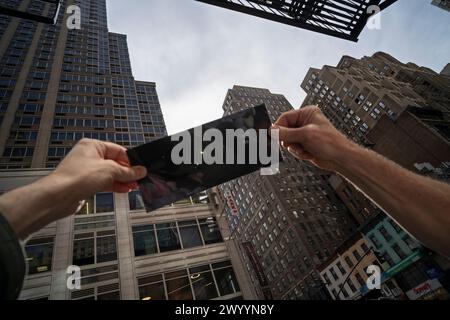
[12,262]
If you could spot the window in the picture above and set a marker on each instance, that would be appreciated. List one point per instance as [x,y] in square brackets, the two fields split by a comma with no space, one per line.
[341,268]
[39,255]
[152,288]
[190,234]
[357,255]
[401,254]
[349,262]
[375,241]
[94,247]
[144,239]
[226,280]
[210,231]
[360,279]
[200,283]
[178,286]
[104,202]
[168,238]
[83,252]
[334,274]
[385,234]
[364,247]
[136,201]
[203,283]
[100,203]
[106,247]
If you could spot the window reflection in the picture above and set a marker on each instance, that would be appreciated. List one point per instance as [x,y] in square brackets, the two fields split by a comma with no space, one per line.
[168,238]
[190,234]
[200,283]
[164,237]
[178,286]
[39,255]
[144,239]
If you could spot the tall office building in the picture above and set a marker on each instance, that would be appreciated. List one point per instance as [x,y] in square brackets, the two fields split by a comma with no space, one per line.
[401,111]
[58,86]
[443,4]
[282,226]
[357,93]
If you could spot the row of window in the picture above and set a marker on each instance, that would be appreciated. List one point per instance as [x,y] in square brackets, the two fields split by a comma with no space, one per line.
[164,237]
[205,282]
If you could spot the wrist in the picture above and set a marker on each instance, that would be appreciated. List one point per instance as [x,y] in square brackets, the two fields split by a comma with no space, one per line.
[347,153]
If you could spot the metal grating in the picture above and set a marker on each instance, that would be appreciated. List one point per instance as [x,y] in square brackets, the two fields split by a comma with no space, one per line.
[338,18]
[33,14]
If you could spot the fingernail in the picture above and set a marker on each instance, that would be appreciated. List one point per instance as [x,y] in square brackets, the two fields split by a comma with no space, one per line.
[141,171]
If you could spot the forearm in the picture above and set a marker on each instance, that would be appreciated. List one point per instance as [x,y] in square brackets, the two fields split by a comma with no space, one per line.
[32,207]
[419,204]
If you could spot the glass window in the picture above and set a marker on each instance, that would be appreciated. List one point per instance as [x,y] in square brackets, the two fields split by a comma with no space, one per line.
[203,283]
[153,288]
[83,252]
[104,202]
[385,233]
[210,231]
[356,255]
[190,235]
[168,238]
[106,249]
[226,280]
[39,255]
[349,262]
[144,240]
[136,201]
[88,208]
[178,286]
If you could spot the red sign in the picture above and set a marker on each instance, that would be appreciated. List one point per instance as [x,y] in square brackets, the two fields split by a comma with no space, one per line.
[231,203]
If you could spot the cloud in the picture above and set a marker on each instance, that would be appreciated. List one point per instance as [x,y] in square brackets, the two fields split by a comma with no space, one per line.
[196,52]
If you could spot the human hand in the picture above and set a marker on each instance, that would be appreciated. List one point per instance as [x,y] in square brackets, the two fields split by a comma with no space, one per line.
[308,135]
[91,167]
[96,166]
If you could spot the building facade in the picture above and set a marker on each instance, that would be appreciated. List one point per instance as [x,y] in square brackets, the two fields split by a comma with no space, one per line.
[402,112]
[58,86]
[283,226]
[443,4]
[415,270]
[358,93]
[346,273]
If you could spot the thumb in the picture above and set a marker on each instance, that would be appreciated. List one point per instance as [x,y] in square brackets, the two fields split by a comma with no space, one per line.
[291,135]
[128,174]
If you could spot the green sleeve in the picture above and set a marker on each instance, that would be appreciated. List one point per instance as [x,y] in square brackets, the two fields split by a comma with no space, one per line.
[12,262]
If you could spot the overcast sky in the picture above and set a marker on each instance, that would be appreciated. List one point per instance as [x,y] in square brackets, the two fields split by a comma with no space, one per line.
[195,52]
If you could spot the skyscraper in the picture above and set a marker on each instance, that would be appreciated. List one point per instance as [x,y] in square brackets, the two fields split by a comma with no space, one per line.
[283,226]
[401,111]
[357,93]
[58,86]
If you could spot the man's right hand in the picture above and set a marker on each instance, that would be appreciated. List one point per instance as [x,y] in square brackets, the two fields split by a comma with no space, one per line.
[309,135]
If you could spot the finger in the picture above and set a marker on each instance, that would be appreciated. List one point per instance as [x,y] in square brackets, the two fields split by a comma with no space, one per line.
[288,119]
[128,174]
[292,135]
[300,153]
[115,152]
[119,187]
